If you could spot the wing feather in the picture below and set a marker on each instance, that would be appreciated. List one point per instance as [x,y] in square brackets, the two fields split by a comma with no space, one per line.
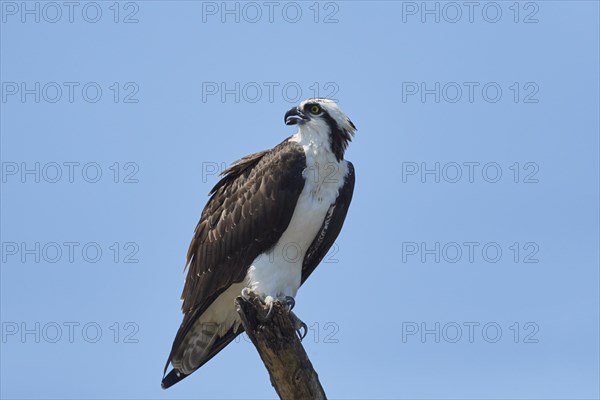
[331,228]
[248,210]
[239,222]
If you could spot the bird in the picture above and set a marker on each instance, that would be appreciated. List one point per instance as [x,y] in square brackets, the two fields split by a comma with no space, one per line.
[268,223]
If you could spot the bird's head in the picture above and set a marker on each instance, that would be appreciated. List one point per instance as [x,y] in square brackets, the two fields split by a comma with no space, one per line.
[322,120]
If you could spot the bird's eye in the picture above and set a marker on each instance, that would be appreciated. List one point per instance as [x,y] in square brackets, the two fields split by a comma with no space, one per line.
[315,109]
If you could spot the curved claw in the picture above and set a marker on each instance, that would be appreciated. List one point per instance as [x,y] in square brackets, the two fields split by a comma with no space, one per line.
[247,294]
[289,300]
[302,326]
[299,325]
[270,309]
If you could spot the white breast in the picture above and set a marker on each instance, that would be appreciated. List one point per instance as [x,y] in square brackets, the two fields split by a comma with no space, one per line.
[278,273]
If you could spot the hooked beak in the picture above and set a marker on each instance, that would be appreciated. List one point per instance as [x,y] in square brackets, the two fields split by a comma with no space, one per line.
[294,116]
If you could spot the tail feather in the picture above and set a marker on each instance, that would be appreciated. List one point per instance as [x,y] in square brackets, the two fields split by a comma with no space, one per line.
[202,355]
[172,378]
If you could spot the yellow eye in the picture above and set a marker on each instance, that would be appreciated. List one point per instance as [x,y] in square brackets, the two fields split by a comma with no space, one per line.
[315,109]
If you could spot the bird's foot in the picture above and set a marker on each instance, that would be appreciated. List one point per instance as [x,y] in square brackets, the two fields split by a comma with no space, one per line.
[287,300]
[248,294]
[299,325]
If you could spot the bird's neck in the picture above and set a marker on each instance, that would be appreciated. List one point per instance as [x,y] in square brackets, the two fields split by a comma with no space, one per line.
[313,139]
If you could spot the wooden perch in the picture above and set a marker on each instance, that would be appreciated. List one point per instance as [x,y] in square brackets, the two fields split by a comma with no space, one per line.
[292,374]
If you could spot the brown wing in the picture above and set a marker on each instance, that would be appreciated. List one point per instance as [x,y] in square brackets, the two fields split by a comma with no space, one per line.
[245,216]
[334,220]
[248,211]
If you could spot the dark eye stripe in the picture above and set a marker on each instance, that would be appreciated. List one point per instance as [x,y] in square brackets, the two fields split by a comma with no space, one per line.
[338,137]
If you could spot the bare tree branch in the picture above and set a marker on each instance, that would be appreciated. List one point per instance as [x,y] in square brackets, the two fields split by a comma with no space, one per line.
[292,374]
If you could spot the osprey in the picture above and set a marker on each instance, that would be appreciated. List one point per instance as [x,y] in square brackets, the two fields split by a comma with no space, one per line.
[267,225]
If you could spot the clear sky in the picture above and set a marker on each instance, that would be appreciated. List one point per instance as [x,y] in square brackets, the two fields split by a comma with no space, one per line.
[468,266]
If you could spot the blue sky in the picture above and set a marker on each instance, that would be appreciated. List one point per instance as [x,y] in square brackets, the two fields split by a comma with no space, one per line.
[468,264]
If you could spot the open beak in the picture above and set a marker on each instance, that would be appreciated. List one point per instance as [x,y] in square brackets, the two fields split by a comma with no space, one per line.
[294,116]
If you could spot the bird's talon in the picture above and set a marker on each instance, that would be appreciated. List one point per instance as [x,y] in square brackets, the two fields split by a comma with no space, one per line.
[247,294]
[290,302]
[299,325]
[302,335]
[269,302]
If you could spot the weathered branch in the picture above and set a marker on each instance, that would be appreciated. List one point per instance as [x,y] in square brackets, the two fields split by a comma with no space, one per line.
[292,374]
